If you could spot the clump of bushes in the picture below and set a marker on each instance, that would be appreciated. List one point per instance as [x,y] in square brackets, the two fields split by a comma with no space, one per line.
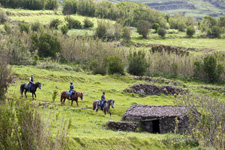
[137,63]
[64,29]
[115,65]
[73,23]
[126,33]
[101,29]
[88,23]
[7,28]
[69,7]
[190,31]
[35,26]
[161,32]
[143,28]
[99,67]
[3,16]
[55,23]
[24,27]
[214,32]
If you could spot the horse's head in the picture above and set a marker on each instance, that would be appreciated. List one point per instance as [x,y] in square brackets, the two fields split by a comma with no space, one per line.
[112,102]
[81,95]
[39,85]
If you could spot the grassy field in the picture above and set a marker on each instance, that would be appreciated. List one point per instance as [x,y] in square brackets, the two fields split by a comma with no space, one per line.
[88,130]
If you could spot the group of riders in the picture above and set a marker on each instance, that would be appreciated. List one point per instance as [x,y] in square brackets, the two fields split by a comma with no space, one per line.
[71,91]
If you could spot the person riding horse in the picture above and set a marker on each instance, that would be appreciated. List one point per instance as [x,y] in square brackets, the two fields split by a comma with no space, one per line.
[31,82]
[71,90]
[102,100]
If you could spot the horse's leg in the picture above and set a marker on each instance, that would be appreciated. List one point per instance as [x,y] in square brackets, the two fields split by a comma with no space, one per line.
[109,112]
[32,95]
[25,93]
[35,95]
[77,103]
[71,102]
[104,111]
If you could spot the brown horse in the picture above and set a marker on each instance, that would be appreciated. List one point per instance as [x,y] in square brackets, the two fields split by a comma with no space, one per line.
[75,96]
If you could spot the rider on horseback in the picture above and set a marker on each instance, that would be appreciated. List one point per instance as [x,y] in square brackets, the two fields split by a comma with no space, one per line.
[71,90]
[31,81]
[102,100]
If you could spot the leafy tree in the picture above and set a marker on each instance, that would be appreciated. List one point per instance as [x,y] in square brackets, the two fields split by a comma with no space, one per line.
[214,32]
[137,63]
[115,65]
[52,4]
[143,28]
[126,33]
[190,31]
[88,23]
[162,32]
[46,44]
[155,26]
[181,26]
[86,8]
[221,21]
[69,7]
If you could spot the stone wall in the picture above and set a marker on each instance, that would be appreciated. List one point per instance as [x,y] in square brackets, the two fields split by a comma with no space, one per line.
[122,126]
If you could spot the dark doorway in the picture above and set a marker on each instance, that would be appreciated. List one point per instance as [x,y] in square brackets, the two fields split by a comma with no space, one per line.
[155,126]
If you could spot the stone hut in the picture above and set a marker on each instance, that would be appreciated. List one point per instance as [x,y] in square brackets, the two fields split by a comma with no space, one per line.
[158,119]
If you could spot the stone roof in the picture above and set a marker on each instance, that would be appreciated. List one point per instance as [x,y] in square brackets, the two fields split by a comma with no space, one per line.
[140,112]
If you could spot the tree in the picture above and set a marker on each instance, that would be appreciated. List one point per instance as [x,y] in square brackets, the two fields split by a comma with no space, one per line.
[137,63]
[52,4]
[214,32]
[143,28]
[69,7]
[155,26]
[115,65]
[101,29]
[190,31]
[126,33]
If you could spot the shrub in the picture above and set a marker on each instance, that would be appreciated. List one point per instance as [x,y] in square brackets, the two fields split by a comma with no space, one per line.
[190,31]
[54,94]
[7,28]
[98,67]
[181,26]
[214,32]
[46,44]
[162,32]
[143,28]
[35,26]
[69,7]
[155,26]
[55,23]
[113,32]
[5,76]
[35,59]
[3,16]
[115,65]
[24,27]
[101,29]
[64,29]
[137,63]
[88,23]
[73,23]
[52,4]
[126,33]
[212,69]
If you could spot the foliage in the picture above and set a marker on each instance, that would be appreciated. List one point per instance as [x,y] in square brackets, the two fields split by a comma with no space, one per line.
[113,31]
[46,44]
[101,29]
[214,32]
[31,4]
[52,4]
[55,23]
[181,26]
[143,28]
[206,119]
[98,67]
[69,7]
[221,21]
[208,22]
[5,76]
[88,23]
[35,59]
[7,28]
[126,33]
[54,94]
[64,29]
[3,16]
[161,32]
[86,8]
[24,27]
[190,31]
[115,65]
[155,26]
[137,63]
[36,26]
[73,23]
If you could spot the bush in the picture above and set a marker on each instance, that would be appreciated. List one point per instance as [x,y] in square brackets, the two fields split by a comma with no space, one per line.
[52,4]
[113,32]
[181,26]
[155,26]
[5,76]
[73,23]
[98,67]
[137,63]
[214,32]
[64,29]
[162,32]
[55,23]
[35,59]
[143,28]
[115,65]
[88,23]
[46,44]
[101,29]
[3,16]
[35,26]
[7,28]
[69,7]
[126,33]
[24,27]
[190,31]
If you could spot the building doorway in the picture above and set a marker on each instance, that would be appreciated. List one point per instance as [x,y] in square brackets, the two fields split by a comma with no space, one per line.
[155,126]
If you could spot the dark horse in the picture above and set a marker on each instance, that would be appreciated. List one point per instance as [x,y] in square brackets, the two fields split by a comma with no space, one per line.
[75,96]
[32,89]
[106,106]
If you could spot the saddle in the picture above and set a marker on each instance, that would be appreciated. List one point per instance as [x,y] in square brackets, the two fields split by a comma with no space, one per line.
[68,93]
[99,103]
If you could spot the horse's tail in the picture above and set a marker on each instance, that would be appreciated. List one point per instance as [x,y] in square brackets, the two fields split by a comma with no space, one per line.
[94,105]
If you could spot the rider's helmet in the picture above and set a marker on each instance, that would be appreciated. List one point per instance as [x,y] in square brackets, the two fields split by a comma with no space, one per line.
[71,82]
[103,92]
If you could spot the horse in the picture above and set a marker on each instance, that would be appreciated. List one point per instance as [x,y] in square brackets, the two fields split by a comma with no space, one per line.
[106,106]
[75,96]
[32,89]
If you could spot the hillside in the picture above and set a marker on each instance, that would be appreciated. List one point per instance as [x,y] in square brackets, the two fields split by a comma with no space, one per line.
[197,9]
